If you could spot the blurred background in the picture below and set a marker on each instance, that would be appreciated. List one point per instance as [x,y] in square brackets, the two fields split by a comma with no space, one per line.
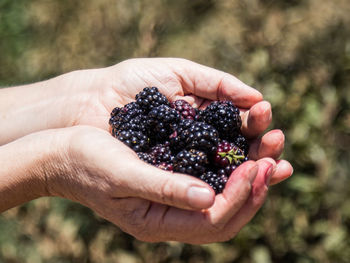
[296,52]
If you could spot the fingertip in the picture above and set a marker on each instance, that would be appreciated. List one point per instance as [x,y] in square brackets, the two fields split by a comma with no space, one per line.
[243,95]
[274,139]
[257,119]
[200,197]
[272,144]
[283,171]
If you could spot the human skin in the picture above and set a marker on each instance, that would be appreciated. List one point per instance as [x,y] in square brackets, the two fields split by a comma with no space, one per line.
[66,150]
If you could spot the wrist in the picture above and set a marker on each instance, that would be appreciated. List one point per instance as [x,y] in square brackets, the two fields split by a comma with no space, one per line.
[50,104]
[26,166]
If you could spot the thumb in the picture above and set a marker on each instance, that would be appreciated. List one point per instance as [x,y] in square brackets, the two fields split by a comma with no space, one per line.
[174,189]
[214,84]
[125,175]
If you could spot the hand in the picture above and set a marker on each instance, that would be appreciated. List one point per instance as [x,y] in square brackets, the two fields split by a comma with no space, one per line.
[102,183]
[182,79]
[87,165]
[88,96]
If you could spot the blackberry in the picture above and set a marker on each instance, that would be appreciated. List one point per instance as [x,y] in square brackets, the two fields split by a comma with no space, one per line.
[192,162]
[228,153]
[136,140]
[194,135]
[149,98]
[227,171]
[217,182]
[161,121]
[146,157]
[128,118]
[242,143]
[114,113]
[185,110]
[223,116]
[176,137]
[161,154]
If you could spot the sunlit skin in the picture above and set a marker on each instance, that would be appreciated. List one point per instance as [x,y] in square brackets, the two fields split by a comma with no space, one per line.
[67,151]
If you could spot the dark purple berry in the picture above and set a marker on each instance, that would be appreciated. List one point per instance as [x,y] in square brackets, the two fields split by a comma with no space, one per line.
[192,162]
[128,118]
[161,121]
[227,153]
[195,135]
[146,157]
[217,182]
[136,140]
[185,110]
[149,98]
[223,116]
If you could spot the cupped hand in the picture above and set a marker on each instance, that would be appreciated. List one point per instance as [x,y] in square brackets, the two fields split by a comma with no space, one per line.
[151,204]
[99,91]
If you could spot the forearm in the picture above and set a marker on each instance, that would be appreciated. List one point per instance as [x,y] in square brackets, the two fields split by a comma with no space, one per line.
[24,166]
[53,103]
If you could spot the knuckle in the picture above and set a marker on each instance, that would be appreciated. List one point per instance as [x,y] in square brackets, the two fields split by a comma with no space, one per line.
[167,191]
[133,220]
[247,187]
[259,196]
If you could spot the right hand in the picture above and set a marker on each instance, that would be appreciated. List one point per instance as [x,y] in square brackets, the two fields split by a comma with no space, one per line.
[93,168]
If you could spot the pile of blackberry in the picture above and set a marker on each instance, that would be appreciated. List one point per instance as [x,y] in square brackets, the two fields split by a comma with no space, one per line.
[174,136]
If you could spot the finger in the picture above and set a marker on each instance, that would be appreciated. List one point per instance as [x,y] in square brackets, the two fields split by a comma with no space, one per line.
[257,119]
[235,194]
[270,145]
[174,189]
[128,176]
[255,201]
[192,226]
[214,84]
[282,171]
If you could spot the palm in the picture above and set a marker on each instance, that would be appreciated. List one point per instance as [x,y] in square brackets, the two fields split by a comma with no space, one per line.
[120,85]
[178,78]
[175,78]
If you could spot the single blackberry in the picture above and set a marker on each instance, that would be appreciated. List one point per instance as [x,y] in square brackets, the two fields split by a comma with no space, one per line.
[149,98]
[192,162]
[128,118]
[161,121]
[146,157]
[242,143]
[223,116]
[227,153]
[114,112]
[161,153]
[194,135]
[227,171]
[136,140]
[217,182]
[185,110]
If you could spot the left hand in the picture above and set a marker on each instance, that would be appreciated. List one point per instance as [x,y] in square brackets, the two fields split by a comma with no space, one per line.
[86,97]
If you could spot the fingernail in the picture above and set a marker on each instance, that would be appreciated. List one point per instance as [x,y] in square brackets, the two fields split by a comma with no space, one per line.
[268,175]
[200,197]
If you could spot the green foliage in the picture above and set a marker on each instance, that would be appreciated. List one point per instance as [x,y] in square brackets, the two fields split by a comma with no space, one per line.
[297,52]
